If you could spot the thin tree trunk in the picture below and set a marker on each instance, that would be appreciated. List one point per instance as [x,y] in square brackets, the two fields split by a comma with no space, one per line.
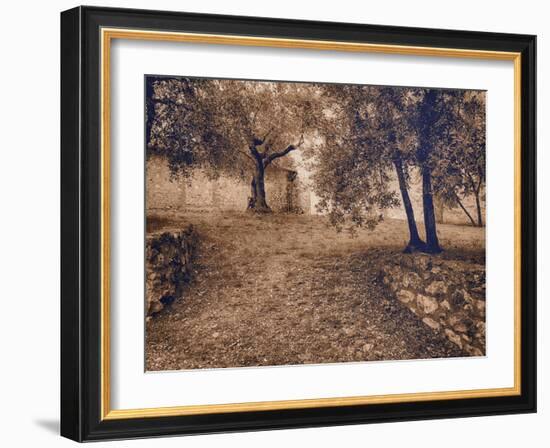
[429,117]
[476,189]
[432,242]
[479,214]
[465,211]
[439,210]
[415,243]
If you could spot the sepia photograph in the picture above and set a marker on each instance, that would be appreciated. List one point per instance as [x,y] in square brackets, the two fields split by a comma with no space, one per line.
[292,223]
[283,223]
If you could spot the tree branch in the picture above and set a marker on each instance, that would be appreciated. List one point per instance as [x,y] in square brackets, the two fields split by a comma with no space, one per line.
[264,138]
[247,154]
[301,141]
[255,153]
[259,141]
[282,153]
[464,209]
[471,179]
[479,185]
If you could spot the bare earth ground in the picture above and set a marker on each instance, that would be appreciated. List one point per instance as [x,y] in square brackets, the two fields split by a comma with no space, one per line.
[288,289]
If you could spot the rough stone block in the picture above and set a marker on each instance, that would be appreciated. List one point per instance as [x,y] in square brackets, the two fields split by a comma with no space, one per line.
[405,296]
[431,323]
[453,337]
[426,303]
[437,288]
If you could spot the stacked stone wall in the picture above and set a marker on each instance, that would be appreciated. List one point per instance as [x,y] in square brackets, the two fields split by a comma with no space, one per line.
[168,258]
[448,296]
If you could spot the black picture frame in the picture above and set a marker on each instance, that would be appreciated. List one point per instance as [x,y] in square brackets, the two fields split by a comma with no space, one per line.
[81,224]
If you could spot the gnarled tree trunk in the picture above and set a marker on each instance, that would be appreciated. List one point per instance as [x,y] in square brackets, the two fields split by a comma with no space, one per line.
[253,194]
[257,201]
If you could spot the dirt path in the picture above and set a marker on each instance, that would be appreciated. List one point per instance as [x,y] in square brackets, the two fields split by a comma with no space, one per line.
[269,291]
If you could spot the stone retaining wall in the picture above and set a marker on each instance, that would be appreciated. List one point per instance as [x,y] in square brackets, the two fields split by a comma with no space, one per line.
[448,296]
[168,261]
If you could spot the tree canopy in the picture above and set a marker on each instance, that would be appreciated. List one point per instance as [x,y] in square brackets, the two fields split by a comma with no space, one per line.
[233,127]
[440,133]
[359,140]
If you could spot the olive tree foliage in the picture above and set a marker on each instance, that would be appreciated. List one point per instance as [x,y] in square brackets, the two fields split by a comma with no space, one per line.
[382,133]
[234,127]
[178,127]
[460,168]
[373,136]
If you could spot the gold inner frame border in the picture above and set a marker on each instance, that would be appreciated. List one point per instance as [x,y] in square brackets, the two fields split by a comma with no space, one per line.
[107,36]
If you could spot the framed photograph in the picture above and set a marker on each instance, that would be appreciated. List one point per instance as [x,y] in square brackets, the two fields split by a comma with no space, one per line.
[273,223]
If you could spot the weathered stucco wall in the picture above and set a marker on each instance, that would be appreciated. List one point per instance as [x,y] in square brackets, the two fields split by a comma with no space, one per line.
[448,296]
[284,191]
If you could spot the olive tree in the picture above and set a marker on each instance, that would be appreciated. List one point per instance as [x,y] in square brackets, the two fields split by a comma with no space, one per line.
[236,127]
[373,137]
